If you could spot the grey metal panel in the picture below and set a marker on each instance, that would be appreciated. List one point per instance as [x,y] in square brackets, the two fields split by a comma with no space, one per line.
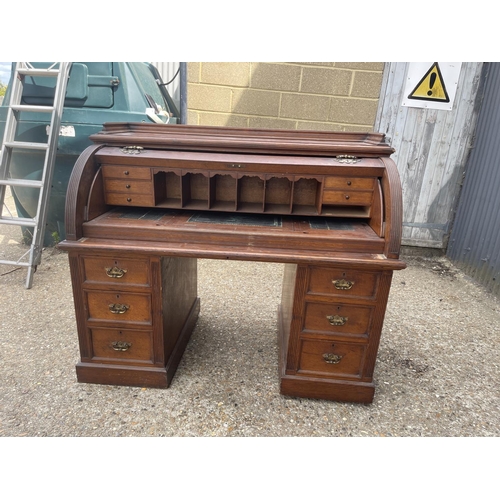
[431,150]
[475,239]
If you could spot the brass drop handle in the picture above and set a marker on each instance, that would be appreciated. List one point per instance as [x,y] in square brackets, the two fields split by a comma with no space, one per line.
[343,284]
[118,308]
[120,345]
[332,359]
[115,272]
[337,320]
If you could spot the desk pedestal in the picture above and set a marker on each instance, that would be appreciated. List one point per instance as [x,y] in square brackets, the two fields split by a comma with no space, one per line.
[135,315]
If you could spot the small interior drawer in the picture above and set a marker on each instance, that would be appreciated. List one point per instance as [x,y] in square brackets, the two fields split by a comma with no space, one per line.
[347,197]
[128,186]
[130,199]
[361,183]
[126,172]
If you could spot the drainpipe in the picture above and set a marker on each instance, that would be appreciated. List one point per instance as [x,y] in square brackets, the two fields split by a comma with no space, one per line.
[183,92]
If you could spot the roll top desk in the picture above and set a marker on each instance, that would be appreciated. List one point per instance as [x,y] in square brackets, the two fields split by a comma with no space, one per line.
[145,201]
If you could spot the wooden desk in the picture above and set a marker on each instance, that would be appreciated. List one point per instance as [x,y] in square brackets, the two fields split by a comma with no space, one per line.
[146,201]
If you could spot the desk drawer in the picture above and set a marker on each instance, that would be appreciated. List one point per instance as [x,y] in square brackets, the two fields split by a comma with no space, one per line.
[342,282]
[340,319]
[322,357]
[119,307]
[118,271]
[115,344]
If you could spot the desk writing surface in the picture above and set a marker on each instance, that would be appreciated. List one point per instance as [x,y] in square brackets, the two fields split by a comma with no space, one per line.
[244,231]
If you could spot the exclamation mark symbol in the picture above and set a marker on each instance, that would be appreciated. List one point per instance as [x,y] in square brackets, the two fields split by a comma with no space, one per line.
[432,81]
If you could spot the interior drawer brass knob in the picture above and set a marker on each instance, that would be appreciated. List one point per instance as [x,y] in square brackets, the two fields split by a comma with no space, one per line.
[120,345]
[118,308]
[337,320]
[343,284]
[331,358]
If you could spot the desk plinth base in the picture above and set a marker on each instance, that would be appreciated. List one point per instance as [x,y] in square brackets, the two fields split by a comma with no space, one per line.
[333,390]
[93,373]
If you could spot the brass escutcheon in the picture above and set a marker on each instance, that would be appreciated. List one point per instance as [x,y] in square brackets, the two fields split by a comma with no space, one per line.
[331,358]
[118,308]
[347,159]
[115,272]
[120,345]
[343,284]
[132,150]
[337,320]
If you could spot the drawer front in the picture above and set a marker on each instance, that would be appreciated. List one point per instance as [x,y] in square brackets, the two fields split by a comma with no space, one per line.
[126,172]
[119,307]
[337,319]
[134,200]
[116,271]
[361,183]
[342,282]
[322,357]
[115,344]
[347,197]
[127,186]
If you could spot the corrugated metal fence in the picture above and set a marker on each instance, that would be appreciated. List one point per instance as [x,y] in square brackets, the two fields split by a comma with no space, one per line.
[474,244]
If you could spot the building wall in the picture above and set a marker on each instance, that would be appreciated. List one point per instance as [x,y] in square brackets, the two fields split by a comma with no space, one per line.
[329,96]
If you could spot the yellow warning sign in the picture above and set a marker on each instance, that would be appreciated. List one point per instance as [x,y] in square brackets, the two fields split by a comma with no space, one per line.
[431,87]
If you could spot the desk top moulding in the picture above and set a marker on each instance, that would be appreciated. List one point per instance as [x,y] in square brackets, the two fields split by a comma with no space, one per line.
[153,198]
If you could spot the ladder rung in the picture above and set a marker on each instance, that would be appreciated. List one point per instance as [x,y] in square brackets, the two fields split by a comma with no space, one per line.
[17,221]
[15,263]
[38,72]
[34,109]
[21,183]
[26,145]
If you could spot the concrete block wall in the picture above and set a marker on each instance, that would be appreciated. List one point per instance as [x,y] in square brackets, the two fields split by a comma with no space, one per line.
[307,96]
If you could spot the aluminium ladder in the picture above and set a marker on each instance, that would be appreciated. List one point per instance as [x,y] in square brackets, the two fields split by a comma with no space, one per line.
[23,71]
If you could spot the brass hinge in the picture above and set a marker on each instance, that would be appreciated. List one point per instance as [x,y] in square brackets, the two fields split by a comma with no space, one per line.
[132,150]
[347,159]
